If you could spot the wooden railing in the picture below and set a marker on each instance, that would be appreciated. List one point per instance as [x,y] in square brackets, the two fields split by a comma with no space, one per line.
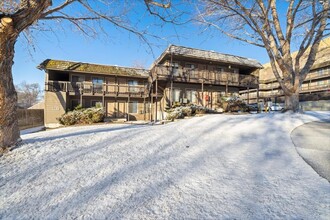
[88,88]
[303,89]
[313,88]
[274,85]
[205,76]
[310,76]
[317,75]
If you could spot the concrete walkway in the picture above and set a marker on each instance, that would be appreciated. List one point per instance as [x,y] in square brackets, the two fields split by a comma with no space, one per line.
[312,141]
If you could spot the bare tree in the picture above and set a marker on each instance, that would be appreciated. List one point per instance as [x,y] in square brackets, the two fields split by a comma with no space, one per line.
[17,17]
[27,94]
[277,26]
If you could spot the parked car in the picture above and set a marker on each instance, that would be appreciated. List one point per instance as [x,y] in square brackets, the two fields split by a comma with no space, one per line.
[276,107]
[252,107]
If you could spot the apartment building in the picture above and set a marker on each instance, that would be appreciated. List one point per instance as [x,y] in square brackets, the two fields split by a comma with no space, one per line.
[181,75]
[121,91]
[315,87]
[186,75]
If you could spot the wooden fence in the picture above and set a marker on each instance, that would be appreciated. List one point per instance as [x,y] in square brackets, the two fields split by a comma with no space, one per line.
[29,118]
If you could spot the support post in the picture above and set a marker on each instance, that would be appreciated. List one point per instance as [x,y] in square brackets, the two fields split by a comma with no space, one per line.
[171,77]
[202,92]
[81,94]
[156,98]
[144,107]
[128,101]
[258,99]
[103,100]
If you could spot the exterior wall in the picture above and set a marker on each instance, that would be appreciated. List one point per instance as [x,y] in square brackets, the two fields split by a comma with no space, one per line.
[209,98]
[55,106]
[115,108]
[320,105]
[120,108]
[112,93]
[316,82]
[119,97]
[30,118]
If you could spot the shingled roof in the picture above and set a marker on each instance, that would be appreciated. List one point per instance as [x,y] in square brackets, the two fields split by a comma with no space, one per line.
[208,55]
[92,68]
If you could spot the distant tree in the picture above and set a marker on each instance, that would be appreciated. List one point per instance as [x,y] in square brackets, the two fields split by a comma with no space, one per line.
[27,94]
[18,17]
[139,64]
[277,26]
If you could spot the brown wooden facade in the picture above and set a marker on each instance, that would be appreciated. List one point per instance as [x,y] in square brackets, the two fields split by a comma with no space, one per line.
[200,78]
[122,92]
[184,75]
[315,87]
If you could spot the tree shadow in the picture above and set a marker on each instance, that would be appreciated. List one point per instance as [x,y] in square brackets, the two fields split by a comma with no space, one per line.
[177,167]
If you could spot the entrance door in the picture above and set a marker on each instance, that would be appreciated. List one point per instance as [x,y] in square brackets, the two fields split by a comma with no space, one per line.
[116,109]
[121,110]
[111,109]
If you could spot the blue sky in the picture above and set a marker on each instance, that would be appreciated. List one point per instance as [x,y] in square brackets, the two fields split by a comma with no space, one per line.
[120,47]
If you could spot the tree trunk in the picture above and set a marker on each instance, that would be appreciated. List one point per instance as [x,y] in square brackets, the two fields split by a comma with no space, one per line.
[9,131]
[292,101]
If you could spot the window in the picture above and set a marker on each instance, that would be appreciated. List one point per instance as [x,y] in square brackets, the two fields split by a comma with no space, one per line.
[132,86]
[175,69]
[133,107]
[191,70]
[219,69]
[176,95]
[191,96]
[97,80]
[97,83]
[76,80]
[320,72]
[190,66]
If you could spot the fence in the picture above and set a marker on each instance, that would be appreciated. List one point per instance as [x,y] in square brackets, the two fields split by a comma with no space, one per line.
[29,118]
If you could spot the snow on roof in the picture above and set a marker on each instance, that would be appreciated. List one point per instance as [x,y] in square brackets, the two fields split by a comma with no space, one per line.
[208,55]
[92,68]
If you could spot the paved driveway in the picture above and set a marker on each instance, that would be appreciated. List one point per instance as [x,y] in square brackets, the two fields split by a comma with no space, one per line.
[312,141]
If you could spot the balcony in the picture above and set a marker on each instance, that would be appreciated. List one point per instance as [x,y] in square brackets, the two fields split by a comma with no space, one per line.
[315,88]
[90,89]
[205,76]
[269,86]
[318,75]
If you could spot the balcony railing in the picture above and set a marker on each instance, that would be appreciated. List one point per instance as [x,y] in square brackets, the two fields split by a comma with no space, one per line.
[317,75]
[314,88]
[269,86]
[88,88]
[310,76]
[205,76]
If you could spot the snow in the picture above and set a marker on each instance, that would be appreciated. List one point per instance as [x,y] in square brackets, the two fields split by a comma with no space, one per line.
[32,130]
[210,167]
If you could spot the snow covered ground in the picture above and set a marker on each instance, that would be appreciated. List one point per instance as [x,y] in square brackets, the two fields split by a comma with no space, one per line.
[210,167]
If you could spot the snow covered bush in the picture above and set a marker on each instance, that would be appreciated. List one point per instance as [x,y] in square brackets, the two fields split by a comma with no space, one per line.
[183,111]
[82,116]
[233,104]
[174,113]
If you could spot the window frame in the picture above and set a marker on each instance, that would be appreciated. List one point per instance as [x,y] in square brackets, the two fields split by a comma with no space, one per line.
[130,107]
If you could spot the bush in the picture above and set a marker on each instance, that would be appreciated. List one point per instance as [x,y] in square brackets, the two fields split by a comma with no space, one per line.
[233,104]
[183,111]
[82,116]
